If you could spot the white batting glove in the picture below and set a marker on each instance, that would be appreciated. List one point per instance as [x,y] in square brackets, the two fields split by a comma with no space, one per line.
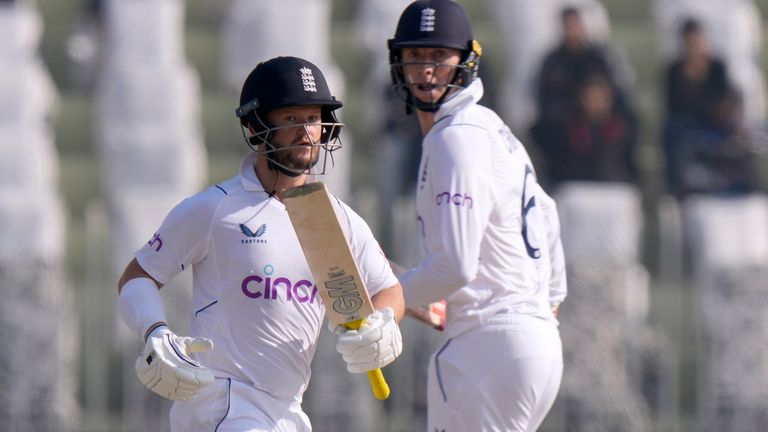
[376,344]
[166,368]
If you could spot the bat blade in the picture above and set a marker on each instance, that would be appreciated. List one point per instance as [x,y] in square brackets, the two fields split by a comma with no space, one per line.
[326,249]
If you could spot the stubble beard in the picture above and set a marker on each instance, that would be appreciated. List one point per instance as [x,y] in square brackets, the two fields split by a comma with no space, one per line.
[298,158]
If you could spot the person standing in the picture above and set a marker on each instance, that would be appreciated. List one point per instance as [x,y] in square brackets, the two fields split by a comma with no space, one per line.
[595,142]
[490,234]
[694,84]
[571,62]
[256,314]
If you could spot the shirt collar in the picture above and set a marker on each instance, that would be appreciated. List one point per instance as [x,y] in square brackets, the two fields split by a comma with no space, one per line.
[464,98]
[250,181]
[248,177]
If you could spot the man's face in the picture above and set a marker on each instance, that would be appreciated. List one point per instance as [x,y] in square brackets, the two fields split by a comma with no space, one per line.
[696,44]
[428,70]
[297,127]
[574,33]
[596,99]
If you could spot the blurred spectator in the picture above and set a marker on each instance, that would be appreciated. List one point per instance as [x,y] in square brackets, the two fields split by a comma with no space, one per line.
[718,155]
[707,146]
[694,78]
[596,139]
[527,31]
[735,35]
[570,62]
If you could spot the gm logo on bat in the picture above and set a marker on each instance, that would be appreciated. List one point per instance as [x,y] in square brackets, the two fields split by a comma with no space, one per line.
[344,292]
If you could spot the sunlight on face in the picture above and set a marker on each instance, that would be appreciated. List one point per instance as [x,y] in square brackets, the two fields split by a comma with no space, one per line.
[428,70]
[297,127]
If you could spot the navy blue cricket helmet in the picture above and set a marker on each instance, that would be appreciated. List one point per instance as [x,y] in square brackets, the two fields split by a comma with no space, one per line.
[283,82]
[434,24]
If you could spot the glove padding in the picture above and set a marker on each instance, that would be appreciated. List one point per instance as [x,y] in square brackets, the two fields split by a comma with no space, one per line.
[376,344]
[166,368]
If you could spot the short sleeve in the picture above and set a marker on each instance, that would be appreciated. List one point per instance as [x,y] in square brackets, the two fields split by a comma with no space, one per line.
[180,241]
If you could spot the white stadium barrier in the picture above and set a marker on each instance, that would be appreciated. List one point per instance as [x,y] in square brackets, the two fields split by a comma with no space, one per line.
[727,232]
[610,351]
[728,239]
[32,226]
[146,32]
[600,222]
[37,323]
[152,156]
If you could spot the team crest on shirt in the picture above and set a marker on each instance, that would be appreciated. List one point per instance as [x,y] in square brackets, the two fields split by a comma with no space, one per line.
[253,237]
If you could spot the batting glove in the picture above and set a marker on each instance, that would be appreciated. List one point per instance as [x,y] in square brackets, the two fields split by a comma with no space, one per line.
[166,368]
[376,344]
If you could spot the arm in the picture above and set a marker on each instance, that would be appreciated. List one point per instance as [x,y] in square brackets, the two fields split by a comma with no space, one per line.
[432,314]
[459,176]
[141,306]
[164,365]
[134,270]
[391,297]
[558,287]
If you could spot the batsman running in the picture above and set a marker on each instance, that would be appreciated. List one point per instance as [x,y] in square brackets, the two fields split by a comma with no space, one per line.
[256,313]
[491,236]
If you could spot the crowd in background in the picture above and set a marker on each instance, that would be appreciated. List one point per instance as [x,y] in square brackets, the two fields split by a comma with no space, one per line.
[567,89]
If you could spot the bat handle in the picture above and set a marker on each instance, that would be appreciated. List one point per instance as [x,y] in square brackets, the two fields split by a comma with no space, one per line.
[379,385]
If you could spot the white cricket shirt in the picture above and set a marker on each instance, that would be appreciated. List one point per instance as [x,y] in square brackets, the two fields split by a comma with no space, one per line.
[253,293]
[490,233]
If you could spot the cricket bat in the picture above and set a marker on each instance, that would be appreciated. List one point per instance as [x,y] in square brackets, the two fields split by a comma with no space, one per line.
[331,262]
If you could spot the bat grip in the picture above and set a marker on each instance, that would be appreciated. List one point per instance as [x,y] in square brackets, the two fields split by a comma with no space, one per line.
[379,385]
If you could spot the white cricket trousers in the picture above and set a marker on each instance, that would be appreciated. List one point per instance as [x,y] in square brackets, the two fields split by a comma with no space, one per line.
[229,405]
[501,377]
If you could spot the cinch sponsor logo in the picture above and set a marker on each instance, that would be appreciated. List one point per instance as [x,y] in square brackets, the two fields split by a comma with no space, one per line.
[156,242]
[278,287]
[457,199]
[253,236]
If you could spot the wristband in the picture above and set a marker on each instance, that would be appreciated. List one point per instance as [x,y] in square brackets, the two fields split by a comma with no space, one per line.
[154,327]
[141,306]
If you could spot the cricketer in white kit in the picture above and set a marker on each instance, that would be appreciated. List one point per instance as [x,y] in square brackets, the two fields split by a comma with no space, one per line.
[256,313]
[490,234]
